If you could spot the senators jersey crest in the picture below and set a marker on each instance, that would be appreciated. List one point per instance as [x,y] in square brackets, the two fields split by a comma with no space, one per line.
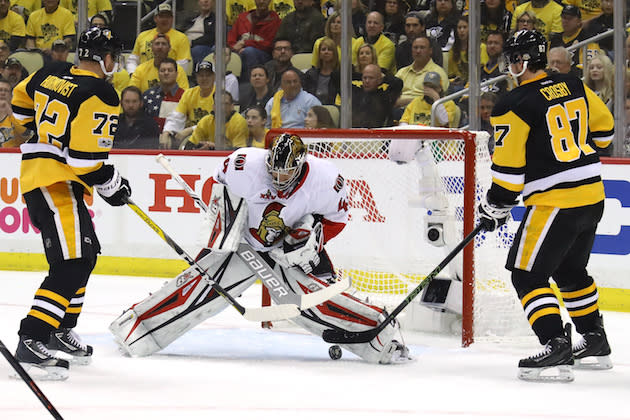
[272,228]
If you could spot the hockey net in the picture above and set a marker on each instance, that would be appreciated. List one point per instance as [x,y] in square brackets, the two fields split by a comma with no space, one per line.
[395,197]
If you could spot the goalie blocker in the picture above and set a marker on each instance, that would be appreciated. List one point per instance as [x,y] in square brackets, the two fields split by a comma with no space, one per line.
[188,299]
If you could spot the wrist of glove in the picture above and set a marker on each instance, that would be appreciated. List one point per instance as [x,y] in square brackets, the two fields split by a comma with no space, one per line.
[493,215]
[116,191]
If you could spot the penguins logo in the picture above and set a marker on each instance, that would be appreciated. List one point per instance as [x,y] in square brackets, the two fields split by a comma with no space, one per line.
[272,227]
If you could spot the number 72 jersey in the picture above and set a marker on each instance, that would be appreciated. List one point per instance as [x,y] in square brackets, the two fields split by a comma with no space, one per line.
[74,115]
[546,132]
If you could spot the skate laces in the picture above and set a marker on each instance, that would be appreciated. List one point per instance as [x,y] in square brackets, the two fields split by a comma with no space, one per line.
[74,339]
[41,348]
[544,352]
[580,345]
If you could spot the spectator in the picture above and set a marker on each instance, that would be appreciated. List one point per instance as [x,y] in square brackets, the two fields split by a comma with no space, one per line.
[4,51]
[146,74]
[48,24]
[602,23]
[282,7]
[487,101]
[547,15]
[359,15]
[179,44]
[494,17]
[194,104]
[252,35]
[13,29]
[318,117]
[102,7]
[13,72]
[393,20]
[136,130]
[526,21]
[373,99]
[490,70]
[302,27]
[257,92]
[162,99]
[24,8]
[281,62]
[412,76]
[572,33]
[458,56]
[385,49]
[256,117]
[418,112]
[560,60]
[99,20]
[626,142]
[200,31]
[236,130]
[332,30]
[233,9]
[442,22]
[366,54]
[12,133]
[288,107]
[599,76]
[589,9]
[59,51]
[323,81]
[414,26]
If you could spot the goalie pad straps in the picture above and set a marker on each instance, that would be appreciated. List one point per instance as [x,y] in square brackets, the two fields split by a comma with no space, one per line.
[182,303]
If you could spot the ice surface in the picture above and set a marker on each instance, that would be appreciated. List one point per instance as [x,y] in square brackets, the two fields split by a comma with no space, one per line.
[229,368]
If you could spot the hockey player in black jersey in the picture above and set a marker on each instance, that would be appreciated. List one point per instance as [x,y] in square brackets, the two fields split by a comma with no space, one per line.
[547,132]
[73,111]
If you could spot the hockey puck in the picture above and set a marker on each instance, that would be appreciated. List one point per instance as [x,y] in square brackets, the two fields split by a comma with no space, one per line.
[335,352]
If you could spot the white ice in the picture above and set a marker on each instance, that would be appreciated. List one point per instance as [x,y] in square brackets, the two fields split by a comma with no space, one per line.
[228,368]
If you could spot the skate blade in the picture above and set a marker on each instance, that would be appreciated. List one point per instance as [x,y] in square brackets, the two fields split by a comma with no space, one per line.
[80,360]
[562,373]
[594,363]
[38,373]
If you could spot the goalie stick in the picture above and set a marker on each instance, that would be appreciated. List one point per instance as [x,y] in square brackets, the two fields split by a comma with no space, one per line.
[267,313]
[339,336]
[246,252]
[29,381]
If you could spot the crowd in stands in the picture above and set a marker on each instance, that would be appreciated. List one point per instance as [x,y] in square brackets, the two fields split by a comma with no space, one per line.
[406,55]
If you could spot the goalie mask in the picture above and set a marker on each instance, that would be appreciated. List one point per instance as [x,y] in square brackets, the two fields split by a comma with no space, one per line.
[285,161]
[527,47]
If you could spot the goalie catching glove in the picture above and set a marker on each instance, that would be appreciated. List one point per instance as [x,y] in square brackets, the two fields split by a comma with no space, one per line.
[493,215]
[301,246]
[116,191]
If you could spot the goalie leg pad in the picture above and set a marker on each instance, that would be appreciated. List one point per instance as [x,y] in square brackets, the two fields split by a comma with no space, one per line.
[346,312]
[182,303]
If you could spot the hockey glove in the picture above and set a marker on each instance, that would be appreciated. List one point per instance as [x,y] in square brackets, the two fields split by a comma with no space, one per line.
[116,191]
[302,246]
[493,215]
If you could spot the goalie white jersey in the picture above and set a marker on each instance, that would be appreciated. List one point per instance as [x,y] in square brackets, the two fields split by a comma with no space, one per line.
[271,213]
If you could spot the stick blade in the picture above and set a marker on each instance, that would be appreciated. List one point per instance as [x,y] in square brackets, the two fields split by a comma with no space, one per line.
[272,313]
[349,337]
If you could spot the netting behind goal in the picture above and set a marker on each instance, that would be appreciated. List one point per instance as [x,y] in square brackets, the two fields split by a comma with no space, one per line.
[385,247]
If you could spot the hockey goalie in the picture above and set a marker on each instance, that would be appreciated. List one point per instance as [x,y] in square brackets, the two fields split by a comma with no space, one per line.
[283,205]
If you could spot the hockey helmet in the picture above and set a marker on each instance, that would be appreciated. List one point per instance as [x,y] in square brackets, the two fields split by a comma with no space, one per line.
[526,45]
[285,160]
[95,43]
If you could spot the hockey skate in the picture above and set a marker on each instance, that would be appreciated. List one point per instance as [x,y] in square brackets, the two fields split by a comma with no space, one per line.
[592,350]
[395,353]
[553,364]
[69,342]
[39,362]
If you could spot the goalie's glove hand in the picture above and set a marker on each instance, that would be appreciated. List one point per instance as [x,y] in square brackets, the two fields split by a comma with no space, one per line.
[493,215]
[116,191]
[301,250]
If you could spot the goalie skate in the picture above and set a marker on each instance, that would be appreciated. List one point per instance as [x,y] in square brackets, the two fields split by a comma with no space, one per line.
[553,364]
[39,362]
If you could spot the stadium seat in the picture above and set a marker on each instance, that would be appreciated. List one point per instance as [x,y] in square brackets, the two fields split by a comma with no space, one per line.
[31,60]
[234,65]
[302,61]
[334,113]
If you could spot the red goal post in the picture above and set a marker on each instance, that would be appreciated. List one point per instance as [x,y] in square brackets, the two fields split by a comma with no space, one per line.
[392,206]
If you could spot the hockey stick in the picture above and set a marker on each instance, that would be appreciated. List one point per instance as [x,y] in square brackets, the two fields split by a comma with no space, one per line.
[267,313]
[248,254]
[29,381]
[344,336]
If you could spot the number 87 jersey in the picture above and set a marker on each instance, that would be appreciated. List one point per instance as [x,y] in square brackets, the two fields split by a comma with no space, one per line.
[546,132]
[74,115]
